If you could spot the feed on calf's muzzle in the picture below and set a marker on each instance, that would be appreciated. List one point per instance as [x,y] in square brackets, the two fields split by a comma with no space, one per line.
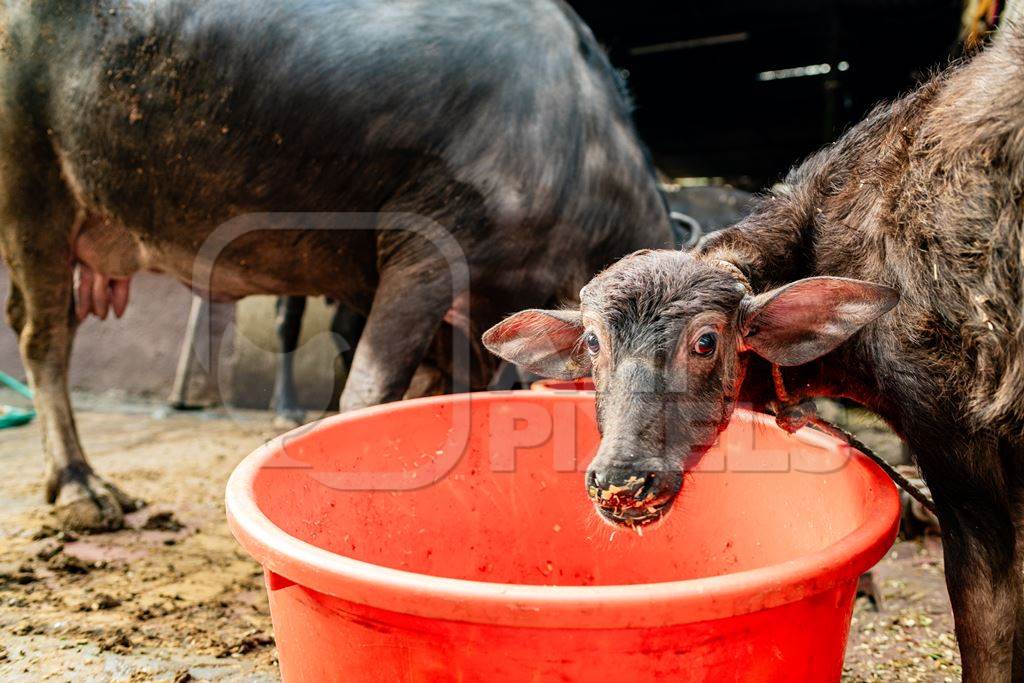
[638,501]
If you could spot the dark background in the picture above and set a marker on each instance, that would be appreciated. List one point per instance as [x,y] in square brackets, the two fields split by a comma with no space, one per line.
[700,106]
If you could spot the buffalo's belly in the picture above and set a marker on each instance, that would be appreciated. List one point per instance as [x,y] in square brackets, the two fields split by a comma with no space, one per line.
[240,257]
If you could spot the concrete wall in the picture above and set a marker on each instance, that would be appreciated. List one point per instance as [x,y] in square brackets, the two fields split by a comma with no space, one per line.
[136,356]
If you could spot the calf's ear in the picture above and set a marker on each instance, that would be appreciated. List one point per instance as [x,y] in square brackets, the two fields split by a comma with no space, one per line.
[546,343]
[806,319]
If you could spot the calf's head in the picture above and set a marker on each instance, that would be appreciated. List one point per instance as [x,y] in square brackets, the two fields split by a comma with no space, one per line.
[666,337]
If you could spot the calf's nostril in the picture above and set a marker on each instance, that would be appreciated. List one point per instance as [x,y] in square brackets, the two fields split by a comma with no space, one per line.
[647,487]
[597,480]
[618,487]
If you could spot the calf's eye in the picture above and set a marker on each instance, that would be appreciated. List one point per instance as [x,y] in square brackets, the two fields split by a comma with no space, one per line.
[705,344]
[591,342]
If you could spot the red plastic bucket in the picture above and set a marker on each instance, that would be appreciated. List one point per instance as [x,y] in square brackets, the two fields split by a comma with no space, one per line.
[451,538]
[583,384]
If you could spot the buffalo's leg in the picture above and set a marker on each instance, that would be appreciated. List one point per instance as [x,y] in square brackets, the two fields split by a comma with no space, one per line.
[346,328]
[197,378]
[1013,459]
[289,324]
[868,588]
[15,309]
[183,374]
[34,236]
[1018,635]
[978,541]
[407,310]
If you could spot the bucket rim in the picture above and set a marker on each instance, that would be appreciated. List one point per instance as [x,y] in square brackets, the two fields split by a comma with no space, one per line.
[641,605]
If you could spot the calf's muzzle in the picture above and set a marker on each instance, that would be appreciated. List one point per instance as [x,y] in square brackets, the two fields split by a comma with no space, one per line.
[633,494]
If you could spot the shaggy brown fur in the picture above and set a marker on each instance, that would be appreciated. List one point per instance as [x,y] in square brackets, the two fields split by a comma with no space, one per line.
[925,198]
[924,195]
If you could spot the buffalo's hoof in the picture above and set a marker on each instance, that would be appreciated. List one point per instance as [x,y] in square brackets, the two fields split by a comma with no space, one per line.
[866,587]
[89,504]
[289,418]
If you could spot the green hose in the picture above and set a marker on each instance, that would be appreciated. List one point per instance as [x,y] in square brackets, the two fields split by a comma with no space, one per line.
[9,415]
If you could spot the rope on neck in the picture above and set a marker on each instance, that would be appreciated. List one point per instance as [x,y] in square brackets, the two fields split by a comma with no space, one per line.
[792,415]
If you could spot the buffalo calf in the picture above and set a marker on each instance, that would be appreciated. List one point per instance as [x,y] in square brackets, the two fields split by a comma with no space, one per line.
[886,270]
